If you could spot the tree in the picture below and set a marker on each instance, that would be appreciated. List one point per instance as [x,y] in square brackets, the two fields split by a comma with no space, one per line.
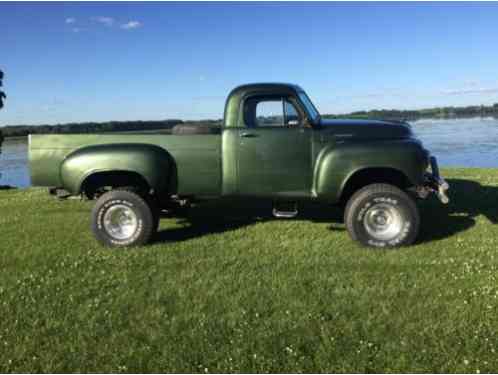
[2,97]
[2,94]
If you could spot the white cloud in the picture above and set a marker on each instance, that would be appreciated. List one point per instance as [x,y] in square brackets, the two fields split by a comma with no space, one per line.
[471,83]
[467,91]
[202,78]
[70,20]
[383,93]
[107,21]
[131,25]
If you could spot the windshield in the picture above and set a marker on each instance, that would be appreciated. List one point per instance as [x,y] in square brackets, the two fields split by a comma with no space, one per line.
[309,106]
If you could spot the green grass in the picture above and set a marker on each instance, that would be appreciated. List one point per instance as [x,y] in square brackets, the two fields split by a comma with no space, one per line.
[225,291]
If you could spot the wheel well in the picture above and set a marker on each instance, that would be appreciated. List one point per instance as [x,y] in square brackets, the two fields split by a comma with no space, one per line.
[369,176]
[99,182]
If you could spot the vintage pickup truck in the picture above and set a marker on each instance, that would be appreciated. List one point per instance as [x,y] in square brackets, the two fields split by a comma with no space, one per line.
[272,144]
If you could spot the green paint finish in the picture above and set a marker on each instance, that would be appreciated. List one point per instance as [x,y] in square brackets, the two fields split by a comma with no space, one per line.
[233,108]
[230,146]
[336,164]
[312,160]
[66,160]
[154,163]
[275,161]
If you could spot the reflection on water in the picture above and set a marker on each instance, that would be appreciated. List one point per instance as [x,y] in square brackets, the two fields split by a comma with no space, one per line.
[455,142]
[461,142]
[14,163]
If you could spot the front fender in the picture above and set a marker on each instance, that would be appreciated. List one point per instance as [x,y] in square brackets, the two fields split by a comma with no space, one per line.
[151,162]
[336,163]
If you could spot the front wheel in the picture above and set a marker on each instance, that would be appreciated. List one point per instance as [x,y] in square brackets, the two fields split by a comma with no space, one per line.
[122,218]
[381,215]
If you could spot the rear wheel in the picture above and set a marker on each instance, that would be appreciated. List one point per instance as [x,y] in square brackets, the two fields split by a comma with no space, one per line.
[381,215]
[123,218]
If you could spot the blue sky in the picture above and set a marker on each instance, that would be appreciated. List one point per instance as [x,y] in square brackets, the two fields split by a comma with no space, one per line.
[75,62]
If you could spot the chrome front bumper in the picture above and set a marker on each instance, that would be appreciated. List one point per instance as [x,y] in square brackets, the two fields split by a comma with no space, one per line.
[434,183]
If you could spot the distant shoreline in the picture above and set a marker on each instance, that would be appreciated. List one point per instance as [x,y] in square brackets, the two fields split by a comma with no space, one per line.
[19,132]
[16,138]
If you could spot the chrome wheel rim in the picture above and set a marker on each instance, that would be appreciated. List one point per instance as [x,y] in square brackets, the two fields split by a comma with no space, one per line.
[120,222]
[383,222]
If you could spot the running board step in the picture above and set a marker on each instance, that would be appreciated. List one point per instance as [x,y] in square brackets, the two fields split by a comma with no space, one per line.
[285,210]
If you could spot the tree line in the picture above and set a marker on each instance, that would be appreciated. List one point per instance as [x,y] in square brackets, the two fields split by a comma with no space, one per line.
[437,112]
[167,125]
[89,127]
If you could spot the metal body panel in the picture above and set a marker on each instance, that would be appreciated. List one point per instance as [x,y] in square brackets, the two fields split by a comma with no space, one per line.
[151,162]
[230,156]
[196,159]
[335,164]
[275,161]
[233,118]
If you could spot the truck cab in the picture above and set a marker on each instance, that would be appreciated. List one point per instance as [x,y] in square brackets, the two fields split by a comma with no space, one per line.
[271,130]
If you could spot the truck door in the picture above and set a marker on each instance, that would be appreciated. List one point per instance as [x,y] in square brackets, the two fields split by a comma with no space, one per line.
[274,156]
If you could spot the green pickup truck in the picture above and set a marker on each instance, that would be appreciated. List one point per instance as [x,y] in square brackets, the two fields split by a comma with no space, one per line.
[272,144]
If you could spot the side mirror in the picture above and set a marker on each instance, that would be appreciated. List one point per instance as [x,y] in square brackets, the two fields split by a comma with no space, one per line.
[308,124]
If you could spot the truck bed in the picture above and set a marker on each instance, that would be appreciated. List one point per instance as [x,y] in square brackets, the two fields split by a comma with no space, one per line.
[197,157]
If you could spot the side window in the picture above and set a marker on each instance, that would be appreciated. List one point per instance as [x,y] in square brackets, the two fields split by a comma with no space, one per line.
[270,112]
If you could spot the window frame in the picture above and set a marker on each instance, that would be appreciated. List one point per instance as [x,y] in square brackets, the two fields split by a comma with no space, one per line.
[273,97]
[317,117]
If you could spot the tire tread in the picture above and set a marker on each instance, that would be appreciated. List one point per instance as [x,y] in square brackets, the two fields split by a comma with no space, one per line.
[373,189]
[149,224]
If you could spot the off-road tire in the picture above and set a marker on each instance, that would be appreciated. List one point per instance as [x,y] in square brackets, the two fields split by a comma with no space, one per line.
[400,208]
[145,221]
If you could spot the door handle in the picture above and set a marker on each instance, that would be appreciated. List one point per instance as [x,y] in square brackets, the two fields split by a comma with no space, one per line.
[248,135]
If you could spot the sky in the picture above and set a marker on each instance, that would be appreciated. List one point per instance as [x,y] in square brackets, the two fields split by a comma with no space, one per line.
[77,62]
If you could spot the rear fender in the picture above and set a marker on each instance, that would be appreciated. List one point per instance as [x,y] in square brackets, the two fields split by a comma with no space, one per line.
[153,163]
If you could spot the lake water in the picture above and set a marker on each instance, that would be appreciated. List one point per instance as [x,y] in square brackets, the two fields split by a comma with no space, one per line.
[455,142]
[14,163]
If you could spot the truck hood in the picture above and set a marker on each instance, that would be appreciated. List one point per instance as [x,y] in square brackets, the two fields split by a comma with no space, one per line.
[369,129]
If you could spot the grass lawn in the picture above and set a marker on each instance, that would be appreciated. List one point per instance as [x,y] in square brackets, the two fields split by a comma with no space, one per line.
[232,290]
